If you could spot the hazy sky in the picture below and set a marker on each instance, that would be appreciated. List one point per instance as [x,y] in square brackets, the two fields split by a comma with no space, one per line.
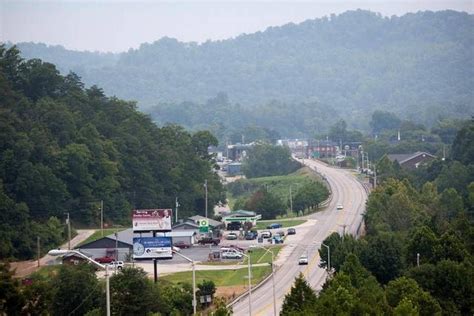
[112,25]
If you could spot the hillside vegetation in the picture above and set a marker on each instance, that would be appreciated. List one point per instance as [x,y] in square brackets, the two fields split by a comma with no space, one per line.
[64,148]
[420,65]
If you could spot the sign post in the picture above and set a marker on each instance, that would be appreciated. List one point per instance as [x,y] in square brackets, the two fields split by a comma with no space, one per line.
[156,247]
[203,226]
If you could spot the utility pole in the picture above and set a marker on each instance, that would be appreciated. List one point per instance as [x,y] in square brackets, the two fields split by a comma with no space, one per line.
[205,186]
[418,259]
[68,232]
[291,201]
[375,176]
[177,205]
[38,249]
[102,217]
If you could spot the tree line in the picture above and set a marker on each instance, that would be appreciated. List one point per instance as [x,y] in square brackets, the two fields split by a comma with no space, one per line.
[65,148]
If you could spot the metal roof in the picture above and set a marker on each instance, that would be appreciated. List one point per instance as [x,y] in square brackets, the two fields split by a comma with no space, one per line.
[126,236]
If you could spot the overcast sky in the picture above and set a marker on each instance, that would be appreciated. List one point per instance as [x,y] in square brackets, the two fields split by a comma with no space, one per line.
[111,25]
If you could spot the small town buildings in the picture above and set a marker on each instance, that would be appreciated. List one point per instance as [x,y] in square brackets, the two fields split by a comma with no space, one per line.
[411,161]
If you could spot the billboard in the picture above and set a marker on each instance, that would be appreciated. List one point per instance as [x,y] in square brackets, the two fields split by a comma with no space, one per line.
[152,248]
[151,220]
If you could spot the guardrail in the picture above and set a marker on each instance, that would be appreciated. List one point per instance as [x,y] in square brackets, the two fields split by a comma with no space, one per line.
[243,295]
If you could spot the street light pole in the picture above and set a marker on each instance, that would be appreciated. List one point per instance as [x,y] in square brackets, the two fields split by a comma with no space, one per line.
[60,252]
[273,276]
[68,232]
[329,257]
[205,186]
[107,289]
[102,217]
[194,279]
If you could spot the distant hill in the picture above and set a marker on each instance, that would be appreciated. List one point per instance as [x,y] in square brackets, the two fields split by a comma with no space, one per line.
[420,66]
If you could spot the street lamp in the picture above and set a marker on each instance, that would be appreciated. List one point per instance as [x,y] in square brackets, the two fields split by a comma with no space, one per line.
[250,281]
[273,275]
[60,252]
[329,257]
[194,279]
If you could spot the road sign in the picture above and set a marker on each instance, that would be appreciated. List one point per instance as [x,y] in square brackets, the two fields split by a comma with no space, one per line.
[203,226]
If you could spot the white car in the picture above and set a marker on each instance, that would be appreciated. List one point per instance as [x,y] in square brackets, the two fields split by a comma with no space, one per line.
[303,260]
[231,255]
[117,264]
[339,207]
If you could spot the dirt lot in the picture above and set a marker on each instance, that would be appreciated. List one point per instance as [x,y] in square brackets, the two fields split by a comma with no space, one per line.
[230,292]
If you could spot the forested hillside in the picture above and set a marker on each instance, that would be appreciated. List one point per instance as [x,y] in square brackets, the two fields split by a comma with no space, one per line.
[64,148]
[418,65]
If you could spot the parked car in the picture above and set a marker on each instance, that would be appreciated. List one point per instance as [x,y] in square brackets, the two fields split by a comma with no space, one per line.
[117,264]
[274,225]
[231,255]
[276,239]
[181,244]
[236,248]
[209,240]
[234,226]
[231,236]
[280,233]
[339,207]
[104,259]
[266,234]
[251,235]
[303,259]
[291,231]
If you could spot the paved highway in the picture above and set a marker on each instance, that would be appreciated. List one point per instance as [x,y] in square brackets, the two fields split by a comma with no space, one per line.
[346,191]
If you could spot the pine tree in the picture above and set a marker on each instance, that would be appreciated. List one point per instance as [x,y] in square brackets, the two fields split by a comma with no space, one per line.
[300,300]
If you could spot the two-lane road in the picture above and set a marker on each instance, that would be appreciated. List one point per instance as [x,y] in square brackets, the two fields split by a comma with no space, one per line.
[346,190]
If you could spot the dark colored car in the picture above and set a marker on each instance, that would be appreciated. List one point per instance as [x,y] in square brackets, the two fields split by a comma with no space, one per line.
[104,259]
[209,240]
[251,235]
[234,226]
[291,231]
[181,244]
[274,225]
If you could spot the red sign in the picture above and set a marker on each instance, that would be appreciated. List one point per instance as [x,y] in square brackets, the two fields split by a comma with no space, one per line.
[152,220]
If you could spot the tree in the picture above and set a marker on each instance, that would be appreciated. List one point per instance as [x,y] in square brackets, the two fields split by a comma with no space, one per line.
[405,288]
[301,298]
[265,203]
[382,256]
[76,290]
[340,249]
[422,241]
[11,298]
[132,292]
[449,282]
[463,145]
[310,196]
[267,160]
[384,120]
[206,288]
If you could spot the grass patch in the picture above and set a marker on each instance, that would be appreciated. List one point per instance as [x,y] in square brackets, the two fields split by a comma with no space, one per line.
[45,272]
[98,234]
[229,277]
[258,255]
[278,185]
[284,222]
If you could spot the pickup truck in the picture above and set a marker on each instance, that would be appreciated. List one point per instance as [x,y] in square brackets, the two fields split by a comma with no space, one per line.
[209,240]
